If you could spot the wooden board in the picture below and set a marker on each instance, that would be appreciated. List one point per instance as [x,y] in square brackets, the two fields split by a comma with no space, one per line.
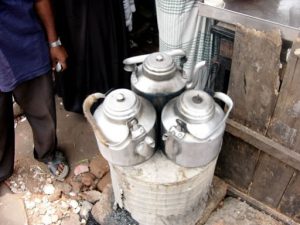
[264,144]
[285,124]
[237,162]
[290,203]
[217,194]
[270,180]
[254,79]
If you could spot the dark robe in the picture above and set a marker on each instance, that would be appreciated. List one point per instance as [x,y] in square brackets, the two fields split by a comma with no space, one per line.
[95,37]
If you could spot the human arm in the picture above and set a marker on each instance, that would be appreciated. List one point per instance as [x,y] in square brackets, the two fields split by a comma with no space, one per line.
[45,13]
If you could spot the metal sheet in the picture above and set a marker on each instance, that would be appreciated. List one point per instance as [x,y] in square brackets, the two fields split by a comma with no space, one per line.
[232,17]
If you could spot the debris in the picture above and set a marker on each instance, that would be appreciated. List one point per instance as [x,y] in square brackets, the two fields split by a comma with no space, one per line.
[85,209]
[48,189]
[46,219]
[87,179]
[73,219]
[99,167]
[81,168]
[103,182]
[74,204]
[91,196]
[76,186]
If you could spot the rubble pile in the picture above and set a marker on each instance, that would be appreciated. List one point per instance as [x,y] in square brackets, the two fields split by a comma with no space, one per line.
[51,202]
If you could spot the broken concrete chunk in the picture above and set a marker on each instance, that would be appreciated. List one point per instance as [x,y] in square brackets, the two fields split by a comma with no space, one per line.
[48,189]
[99,167]
[91,196]
[81,168]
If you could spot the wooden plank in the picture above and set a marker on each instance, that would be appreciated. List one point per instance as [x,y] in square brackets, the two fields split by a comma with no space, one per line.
[217,194]
[265,144]
[237,162]
[290,203]
[254,79]
[270,180]
[258,205]
[285,124]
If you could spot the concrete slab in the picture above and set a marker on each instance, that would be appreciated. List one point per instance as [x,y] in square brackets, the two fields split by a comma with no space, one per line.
[235,212]
[12,210]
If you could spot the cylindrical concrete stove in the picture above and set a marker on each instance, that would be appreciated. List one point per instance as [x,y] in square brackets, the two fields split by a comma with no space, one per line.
[160,192]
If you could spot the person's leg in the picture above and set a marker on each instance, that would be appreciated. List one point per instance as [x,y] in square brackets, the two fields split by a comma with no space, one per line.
[7,136]
[36,98]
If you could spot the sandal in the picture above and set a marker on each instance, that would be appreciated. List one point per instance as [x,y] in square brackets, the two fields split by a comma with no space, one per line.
[58,159]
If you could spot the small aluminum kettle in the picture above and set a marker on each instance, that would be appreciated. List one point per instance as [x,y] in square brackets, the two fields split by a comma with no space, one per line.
[158,78]
[193,125]
[124,126]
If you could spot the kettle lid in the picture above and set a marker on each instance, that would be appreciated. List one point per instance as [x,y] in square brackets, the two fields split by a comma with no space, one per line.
[121,104]
[159,65]
[196,105]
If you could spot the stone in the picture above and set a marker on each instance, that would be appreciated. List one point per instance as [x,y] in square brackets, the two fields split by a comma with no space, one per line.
[99,167]
[46,219]
[76,186]
[63,186]
[73,219]
[87,179]
[30,204]
[91,196]
[55,196]
[81,168]
[103,182]
[102,210]
[54,218]
[74,204]
[85,209]
[48,189]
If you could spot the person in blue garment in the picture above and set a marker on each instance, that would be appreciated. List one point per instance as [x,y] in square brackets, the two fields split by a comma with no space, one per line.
[29,51]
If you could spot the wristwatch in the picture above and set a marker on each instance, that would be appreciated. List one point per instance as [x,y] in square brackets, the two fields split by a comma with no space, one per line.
[55,43]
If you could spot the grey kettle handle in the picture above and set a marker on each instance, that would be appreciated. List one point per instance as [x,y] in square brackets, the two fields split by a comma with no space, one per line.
[87,104]
[130,63]
[229,103]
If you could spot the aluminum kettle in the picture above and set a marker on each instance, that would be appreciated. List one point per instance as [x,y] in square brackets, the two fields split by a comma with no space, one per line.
[158,78]
[124,126]
[193,125]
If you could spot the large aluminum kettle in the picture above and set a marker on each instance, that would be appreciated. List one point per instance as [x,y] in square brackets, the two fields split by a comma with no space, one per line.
[193,125]
[124,126]
[158,78]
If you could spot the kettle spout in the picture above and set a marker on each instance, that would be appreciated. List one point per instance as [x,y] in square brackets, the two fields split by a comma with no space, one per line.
[194,78]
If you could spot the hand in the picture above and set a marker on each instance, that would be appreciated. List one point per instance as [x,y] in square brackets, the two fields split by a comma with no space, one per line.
[59,54]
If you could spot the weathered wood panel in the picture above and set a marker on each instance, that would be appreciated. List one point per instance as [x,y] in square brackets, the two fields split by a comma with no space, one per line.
[290,203]
[285,124]
[254,79]
[237,162]
[270,180]
[264,144]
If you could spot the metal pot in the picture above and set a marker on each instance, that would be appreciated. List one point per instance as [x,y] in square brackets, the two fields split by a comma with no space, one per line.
[193,125]
[124,126]
[158,78]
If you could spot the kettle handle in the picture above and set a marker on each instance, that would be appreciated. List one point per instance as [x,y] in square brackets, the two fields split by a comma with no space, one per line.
[130,63]
[228,101]
[87,104]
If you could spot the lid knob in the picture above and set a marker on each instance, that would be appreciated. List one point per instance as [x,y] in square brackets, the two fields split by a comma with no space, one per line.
[120,97]
[159,58]
[197,99]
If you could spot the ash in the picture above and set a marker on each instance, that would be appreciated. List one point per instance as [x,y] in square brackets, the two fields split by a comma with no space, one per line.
[117,217]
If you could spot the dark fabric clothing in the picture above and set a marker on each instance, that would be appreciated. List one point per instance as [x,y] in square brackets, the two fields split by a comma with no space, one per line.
[94,34]
[24,52]
[37,100]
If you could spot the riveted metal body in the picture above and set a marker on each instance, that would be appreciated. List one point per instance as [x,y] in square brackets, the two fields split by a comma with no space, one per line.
[124,125]
[193,126]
